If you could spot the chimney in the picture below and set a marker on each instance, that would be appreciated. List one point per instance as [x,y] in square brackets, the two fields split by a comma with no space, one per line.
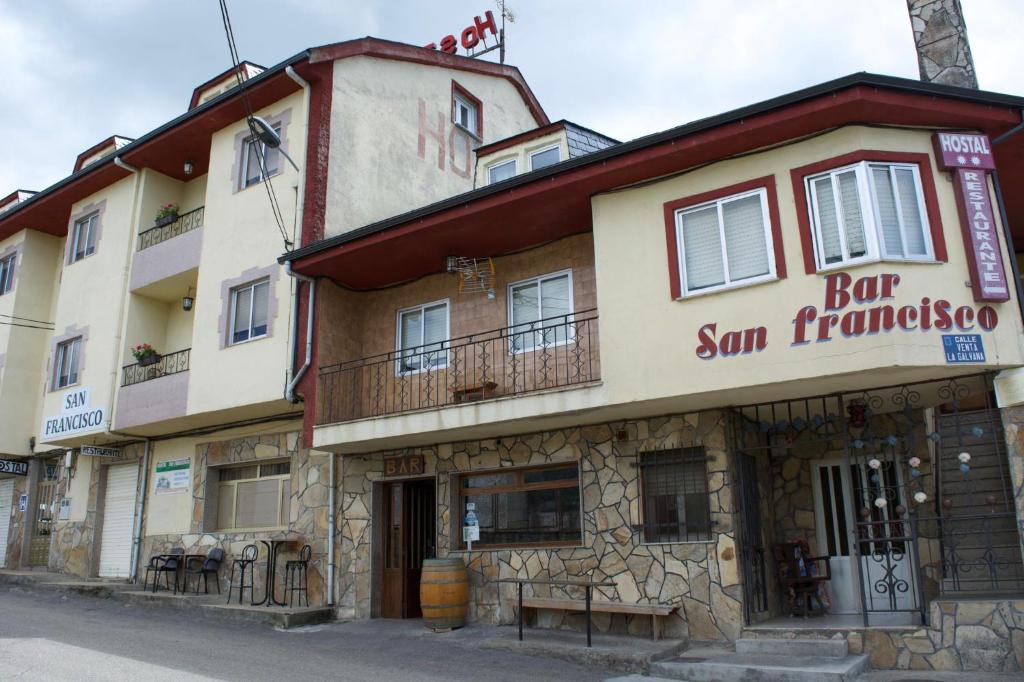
[943,54]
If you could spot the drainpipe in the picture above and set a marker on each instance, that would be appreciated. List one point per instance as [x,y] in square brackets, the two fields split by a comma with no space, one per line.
[124,287]
[140,515]
[1007,233]
[330,532]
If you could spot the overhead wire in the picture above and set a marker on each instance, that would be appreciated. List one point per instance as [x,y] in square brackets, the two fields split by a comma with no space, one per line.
[236,63]
[25,319]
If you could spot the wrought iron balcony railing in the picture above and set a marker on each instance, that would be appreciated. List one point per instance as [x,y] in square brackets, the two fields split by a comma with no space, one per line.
[186,222]
[551,353]
[172,363]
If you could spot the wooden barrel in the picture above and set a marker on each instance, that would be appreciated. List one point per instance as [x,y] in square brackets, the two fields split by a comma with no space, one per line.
[444,593]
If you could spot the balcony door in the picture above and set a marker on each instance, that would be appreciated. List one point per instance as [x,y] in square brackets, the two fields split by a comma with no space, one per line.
[407,537]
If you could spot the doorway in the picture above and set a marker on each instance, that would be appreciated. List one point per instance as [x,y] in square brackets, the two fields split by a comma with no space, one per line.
[407,537]
[118,521]
[44,514]
[6,502]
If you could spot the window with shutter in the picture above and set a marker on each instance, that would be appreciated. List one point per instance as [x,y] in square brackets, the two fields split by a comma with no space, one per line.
[868,212]
[422,338]
[726,242]
[540,311]
[253,495]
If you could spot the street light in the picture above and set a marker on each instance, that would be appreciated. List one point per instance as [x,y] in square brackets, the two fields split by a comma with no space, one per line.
[269,137]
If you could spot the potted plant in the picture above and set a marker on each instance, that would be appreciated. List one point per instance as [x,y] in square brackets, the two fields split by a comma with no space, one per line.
[166,215]
[145,355]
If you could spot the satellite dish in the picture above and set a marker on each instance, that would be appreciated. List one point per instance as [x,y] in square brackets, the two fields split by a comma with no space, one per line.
[266,133]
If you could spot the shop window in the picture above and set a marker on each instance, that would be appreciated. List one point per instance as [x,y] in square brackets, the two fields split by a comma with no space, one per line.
[66,363]
[544,157]
[539,311]
[725,242]
[83,237]
[253,152]
[674,495]
[249,311]
[524,507]
[7,273]
[421,337]
[868,212]
[253,495]
[501,171]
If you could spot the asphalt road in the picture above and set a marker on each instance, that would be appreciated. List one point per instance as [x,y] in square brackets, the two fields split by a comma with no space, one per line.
[46,636]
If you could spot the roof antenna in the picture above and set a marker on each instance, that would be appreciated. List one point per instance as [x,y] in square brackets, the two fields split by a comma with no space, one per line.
[506,13]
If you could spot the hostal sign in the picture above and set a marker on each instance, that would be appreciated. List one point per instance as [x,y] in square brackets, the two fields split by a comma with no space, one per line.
[76,416]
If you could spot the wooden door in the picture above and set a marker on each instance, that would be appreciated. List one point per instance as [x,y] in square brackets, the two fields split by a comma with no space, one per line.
[408,539]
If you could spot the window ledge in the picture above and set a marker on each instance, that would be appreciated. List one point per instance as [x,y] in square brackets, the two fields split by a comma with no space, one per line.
[829,269]
[681,542]
[249,340]
[728,287]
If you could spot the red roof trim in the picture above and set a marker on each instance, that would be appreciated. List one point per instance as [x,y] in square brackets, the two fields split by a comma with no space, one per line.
[386,49]
[194,102]
[767,183]
[931,198]
[484,150]
[112,140]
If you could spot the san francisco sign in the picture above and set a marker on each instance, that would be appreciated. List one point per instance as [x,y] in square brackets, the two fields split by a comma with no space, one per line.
[76,416]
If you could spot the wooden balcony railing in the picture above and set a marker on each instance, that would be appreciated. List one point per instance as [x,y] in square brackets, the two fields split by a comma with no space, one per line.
[551,353]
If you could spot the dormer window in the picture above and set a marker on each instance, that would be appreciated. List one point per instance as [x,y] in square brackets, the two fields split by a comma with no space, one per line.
[543,158]
[467,111]
[501,171]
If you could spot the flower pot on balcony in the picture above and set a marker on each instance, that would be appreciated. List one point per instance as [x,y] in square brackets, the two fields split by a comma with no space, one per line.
[166,220]
[147,360]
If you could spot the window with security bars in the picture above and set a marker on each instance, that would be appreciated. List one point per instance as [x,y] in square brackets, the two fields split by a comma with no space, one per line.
[725,242]
[253,495]
[868,212]
[674,495]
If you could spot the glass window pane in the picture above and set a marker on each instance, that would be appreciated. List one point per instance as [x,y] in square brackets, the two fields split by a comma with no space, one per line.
[828,224]
[556,474]
[225,506]
[888,219]
[90,242]
[252,163]
[535,516]
[272,159]
[74,351]
[435,332]
[411,333]
[548,157]
[853,220]
[745,243]
[243,307]
[555,305]
[237,473]
[259,308]
[275,469]
[913,225]
[286,503]
[525,312]
[702,248]
[502,171]
[503,478]
[256,503]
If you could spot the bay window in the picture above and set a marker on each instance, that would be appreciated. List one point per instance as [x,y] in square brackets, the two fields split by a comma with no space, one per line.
[725,242]
[868,212]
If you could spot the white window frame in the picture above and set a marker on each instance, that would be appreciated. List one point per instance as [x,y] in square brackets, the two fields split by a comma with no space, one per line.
[535,152]
[74,359]
[442,354]
[7,266]
[570,333]
[252,306]
[515,169]
[283,517]
[458,101]
[769,243]
[249,141]
[873,237]
[89,223]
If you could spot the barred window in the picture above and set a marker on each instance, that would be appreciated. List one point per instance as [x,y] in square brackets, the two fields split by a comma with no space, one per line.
[674,495]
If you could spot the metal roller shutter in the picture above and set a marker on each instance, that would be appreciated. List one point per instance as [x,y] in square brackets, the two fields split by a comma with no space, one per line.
[6,500]
[118,521]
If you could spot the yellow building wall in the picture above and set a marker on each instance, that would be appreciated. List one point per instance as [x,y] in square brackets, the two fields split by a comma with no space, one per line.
[378,166]
[648,340]
[521,153]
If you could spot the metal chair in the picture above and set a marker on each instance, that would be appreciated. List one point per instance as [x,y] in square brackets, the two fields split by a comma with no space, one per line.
[247,561]
[297,576]
[203,567]
[165,564]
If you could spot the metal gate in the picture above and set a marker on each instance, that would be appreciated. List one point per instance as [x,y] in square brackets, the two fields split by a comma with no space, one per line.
[45,514]
[752,541]
[918,493]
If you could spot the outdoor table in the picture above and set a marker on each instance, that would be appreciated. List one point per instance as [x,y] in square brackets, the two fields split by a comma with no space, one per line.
[588,586]
[273,546]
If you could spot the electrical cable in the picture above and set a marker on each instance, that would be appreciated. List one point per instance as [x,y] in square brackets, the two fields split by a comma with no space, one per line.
[26,326]
[24,319]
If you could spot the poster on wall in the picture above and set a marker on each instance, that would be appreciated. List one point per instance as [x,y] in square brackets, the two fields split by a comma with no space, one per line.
[173,476]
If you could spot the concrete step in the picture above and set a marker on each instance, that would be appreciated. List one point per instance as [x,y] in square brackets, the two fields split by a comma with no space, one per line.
[760,668]
[821,648]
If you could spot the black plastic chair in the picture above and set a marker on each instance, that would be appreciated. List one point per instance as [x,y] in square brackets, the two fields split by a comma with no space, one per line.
[166,564]
[246,562]
[204,567]
[296,574]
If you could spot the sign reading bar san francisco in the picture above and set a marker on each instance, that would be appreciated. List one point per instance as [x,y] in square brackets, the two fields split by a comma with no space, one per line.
[852,308]
[76,416]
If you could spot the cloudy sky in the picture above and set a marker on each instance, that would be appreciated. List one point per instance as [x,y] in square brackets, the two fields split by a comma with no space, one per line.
[76,71]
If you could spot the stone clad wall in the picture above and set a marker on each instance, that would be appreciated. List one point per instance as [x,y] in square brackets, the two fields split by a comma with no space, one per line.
[308,519]
[701,577]
[18,523]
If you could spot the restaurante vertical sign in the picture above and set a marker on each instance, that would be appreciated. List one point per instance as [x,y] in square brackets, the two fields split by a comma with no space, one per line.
[969,157]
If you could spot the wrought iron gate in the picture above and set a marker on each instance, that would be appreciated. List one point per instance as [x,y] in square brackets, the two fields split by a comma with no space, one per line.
[45,513]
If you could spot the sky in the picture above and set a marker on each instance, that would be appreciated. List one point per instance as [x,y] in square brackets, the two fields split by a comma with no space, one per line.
[74,72]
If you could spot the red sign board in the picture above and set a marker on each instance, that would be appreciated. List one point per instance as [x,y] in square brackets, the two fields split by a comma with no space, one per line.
[984,255]
[470,37]
[963,150]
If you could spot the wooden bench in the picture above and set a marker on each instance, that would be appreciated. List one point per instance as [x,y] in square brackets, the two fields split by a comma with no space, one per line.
[652,610]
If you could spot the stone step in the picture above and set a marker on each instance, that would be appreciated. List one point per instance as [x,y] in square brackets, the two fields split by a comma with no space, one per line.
[821,648]
[760,668]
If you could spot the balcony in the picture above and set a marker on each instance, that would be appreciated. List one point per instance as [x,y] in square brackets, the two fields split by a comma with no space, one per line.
[553,353]
[155,393]
[186,222]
